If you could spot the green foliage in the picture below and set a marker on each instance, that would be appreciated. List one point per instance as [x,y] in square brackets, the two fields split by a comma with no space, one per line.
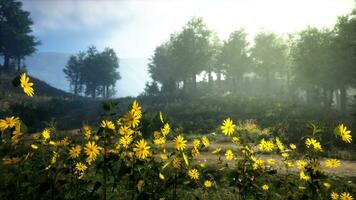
[94,73]
[16,40]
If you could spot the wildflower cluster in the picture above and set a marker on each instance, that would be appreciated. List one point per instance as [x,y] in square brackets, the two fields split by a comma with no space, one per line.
[122,157]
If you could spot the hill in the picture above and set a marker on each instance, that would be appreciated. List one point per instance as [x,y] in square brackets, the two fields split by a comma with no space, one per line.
[42,89]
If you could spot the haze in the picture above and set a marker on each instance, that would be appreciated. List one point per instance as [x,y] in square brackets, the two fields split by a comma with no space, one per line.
[135,28]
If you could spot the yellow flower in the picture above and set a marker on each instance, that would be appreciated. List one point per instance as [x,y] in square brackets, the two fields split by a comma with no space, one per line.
[195,152]
[185,158]
[271,161]
[160,141]
[236,139]
[80,167]
[166,129]
[313,143]
[303,176]
[11,161]
[258,164]
[265,187]
[161,176]
[107,124]
[176,162]
[156,134]
[228,127]
[285,155]
[193,174]
[247,150]
[64,142]
[334,196]
[142,149]
[345,134]
[196,143]
[140,184]
[205,141]
[54,157]
[92,151]
[288,164]
[74,152]
[16,135]
[216,151]
[26,85]
[301,187]
[345,196]
[180,143]
[164,155]
[87,131]
[326,184]
[293,146]
[301,164]
[46,134]
[9,122]
[266,146]
[136,108]
[279,144]
[126,140]
[125,130]
[3,125]
[332,163]
[132,119]
[229,155]
[33,146]
[315,165]
[161,117]
[208,184]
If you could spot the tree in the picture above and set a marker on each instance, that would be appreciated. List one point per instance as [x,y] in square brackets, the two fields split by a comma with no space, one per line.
[234,57]
[95,72]
[314,63]
[16,40]
[270,58]
[151,89]
[190,49]
[73,71]
[345,56]
[163,68]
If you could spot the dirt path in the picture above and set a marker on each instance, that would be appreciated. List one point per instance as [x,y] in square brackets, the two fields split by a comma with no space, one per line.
[347,168]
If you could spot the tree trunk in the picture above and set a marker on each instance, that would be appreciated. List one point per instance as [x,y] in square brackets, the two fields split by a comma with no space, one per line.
[343,100]
[93,93]
[210,78]
[6,66]
[219,76]
[194,79]
[185,84]
[18,64]
[106,91]
[75,88]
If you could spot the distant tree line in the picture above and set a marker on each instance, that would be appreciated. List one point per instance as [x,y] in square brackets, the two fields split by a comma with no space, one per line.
[93,73]
[317,65]
[16,39]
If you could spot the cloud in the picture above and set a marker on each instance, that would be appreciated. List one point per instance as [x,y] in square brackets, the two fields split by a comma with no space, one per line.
[136,27]
[76,15]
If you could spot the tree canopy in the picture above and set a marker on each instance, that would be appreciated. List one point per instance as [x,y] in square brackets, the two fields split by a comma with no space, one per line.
[16,39]
[93,73]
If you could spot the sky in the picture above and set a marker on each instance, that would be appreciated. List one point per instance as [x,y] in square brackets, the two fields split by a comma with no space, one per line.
[134,28]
